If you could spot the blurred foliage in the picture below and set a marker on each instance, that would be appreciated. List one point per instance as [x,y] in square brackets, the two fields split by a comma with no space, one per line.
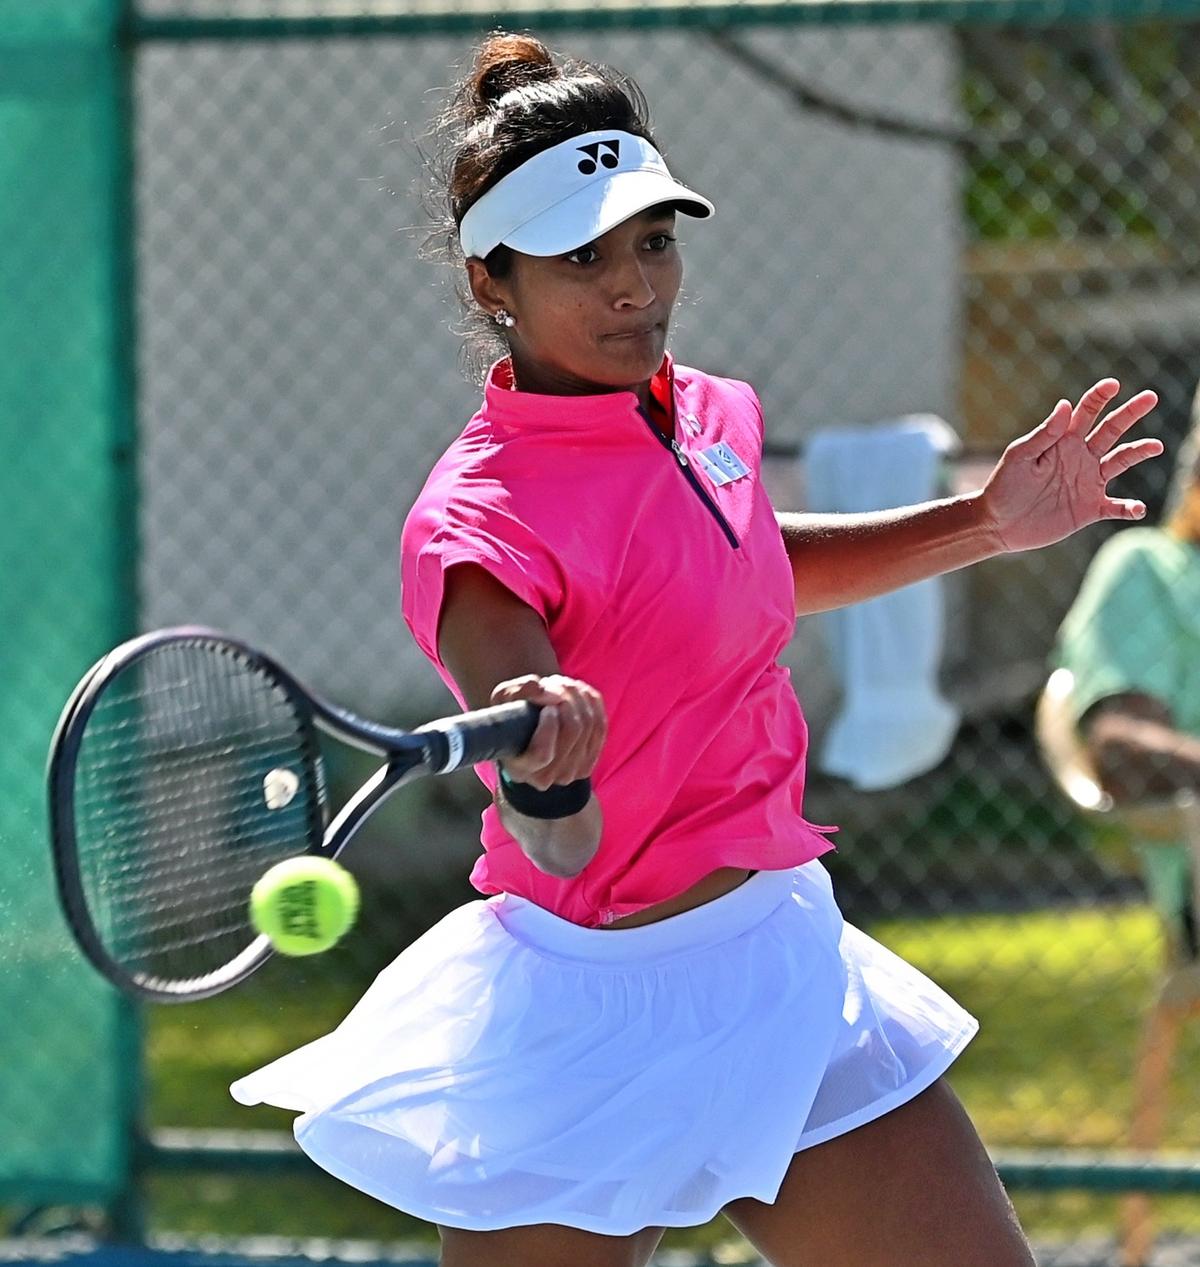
[1066,123]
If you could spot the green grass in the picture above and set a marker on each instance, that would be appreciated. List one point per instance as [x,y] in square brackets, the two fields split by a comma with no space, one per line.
[1059,996]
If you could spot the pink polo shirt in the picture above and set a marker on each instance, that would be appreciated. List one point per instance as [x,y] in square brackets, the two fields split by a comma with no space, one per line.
[660,572]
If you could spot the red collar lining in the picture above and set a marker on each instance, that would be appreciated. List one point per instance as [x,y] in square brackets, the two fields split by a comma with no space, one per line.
[660,390]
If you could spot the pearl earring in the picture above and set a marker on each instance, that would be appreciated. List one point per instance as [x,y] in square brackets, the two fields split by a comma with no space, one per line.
[505,318]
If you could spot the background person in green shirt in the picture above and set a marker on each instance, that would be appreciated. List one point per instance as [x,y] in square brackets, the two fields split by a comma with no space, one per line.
[1132,642]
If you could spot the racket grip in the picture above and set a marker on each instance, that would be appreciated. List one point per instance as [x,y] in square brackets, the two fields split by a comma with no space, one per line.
[504,730]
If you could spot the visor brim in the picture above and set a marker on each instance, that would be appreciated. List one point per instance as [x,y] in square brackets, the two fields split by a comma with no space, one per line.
[586,214]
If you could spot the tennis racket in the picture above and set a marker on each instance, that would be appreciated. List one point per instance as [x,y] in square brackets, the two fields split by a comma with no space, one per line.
[187,763]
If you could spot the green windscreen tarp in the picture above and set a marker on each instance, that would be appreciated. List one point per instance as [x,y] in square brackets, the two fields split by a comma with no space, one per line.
[67,1043]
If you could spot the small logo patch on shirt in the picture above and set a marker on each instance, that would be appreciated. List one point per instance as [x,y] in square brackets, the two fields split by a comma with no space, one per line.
[721,464]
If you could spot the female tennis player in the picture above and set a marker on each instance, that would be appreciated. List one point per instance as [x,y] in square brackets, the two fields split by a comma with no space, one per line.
[657,1013]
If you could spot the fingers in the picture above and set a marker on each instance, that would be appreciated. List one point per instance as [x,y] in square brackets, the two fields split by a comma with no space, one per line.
[1091,403]
[1048,433]
[1102,437]
[1127,455]
[581,727]
[570,733]
[1081,423]
[1123,508]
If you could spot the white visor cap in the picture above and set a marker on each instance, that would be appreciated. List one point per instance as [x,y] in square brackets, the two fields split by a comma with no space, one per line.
[573,192]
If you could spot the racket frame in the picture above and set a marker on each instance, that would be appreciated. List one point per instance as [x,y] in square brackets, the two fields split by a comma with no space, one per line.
[436,748]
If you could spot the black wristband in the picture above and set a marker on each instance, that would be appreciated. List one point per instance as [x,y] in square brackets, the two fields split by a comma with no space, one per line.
[560,800]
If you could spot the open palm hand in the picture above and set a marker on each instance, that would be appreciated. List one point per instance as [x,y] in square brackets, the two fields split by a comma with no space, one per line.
[1054,480]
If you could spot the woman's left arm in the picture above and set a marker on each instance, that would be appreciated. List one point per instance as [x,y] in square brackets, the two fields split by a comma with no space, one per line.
[1046,485]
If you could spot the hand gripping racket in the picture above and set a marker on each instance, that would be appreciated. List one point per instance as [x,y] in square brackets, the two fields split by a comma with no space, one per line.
[184,765]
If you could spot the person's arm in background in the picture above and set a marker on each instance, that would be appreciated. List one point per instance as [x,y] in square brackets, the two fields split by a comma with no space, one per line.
[496,649]
[1137,752]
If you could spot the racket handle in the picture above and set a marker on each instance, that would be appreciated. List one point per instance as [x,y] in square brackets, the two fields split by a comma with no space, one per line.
[504,730]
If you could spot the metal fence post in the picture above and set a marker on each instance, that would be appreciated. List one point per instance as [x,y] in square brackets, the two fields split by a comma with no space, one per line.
[66,558]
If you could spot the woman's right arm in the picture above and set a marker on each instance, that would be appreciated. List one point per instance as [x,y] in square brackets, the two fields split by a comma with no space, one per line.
[496,649]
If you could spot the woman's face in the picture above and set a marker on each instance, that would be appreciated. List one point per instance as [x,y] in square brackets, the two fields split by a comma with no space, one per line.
[596,319]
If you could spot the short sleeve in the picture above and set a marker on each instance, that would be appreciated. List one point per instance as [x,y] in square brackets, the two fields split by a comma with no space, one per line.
[751,397]
[494,540]
[1120,636]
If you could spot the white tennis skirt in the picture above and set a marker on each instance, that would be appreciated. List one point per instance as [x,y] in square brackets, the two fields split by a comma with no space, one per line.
[511,1068]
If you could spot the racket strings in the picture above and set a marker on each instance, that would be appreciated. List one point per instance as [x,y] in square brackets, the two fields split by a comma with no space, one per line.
[111,796]
[174,815]
[164,897]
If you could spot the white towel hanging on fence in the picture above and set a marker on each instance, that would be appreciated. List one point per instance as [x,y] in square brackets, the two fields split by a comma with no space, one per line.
[893,723]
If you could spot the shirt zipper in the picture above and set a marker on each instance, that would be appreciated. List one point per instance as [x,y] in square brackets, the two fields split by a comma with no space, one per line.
[669,442]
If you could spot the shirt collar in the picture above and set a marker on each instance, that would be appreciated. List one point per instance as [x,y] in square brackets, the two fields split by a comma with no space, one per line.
[662,387]
[502,403]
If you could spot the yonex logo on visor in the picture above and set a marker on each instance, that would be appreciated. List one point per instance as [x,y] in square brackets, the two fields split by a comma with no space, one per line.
[572,193]
[588,165]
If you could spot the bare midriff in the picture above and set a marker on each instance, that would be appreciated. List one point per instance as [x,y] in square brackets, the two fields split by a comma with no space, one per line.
[714,885]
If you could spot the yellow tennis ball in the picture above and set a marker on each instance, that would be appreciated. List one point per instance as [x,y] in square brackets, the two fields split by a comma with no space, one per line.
[304,905]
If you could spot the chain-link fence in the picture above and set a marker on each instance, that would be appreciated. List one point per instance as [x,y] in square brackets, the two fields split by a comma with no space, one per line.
[926,218]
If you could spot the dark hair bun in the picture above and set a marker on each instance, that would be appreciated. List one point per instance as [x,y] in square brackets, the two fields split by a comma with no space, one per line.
[505,62]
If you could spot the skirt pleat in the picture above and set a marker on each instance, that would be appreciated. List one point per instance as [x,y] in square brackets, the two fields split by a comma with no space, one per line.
[511,1068]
